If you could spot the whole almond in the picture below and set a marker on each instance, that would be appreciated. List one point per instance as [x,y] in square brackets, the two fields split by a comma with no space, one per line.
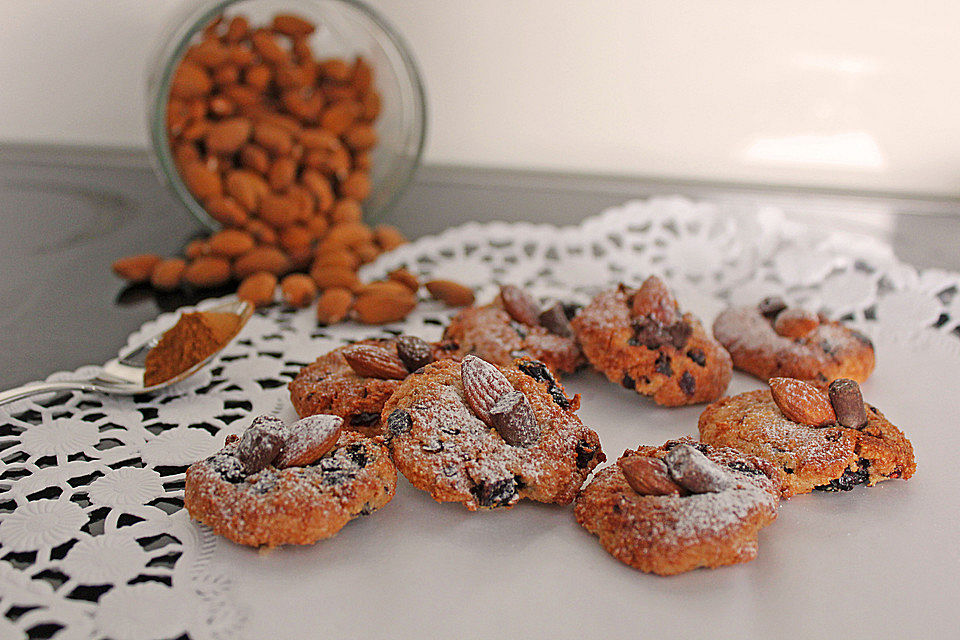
[388,237]
[207,271]
[167,274]
[483,385]
[308,440]
[346,210]
[255,157]
[226,211]
[333,305]
[247,188]
[450,293]
[653,299]
[267,46]
[227,136]
[356,186]
[649,476]
[258,77]
[349,234]
[520,305]
[802,402]
[201,181]
[136,268]
[405,278]
[336,258]
[360,137]
[367,252]
[335,69]
[296,239]
[384,287]
[273,138]
[278,210]
[190,80]
[371,361]
[339,277]
[338,117]
[282,173]
[237,29]
[268,259]
[231,243]
[298,290]
[381,308]
[318,138]
[795,323]
[513,418]
[258,288]
[320,187]
[196,248]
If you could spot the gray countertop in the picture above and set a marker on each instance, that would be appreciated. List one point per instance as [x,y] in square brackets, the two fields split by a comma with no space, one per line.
[67,213]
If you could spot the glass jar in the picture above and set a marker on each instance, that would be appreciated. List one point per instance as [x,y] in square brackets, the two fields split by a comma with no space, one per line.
[344,29]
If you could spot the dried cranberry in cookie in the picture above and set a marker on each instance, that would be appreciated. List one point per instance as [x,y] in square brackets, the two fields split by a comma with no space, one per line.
[513,326]
[640,339]
[354,381]
[684,505]
[772,340]
[253,502]
[835,457]
[487,436]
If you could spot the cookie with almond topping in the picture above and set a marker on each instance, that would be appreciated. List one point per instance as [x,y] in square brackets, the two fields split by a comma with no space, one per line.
[681,506]
[514,326]
[641,340]
[824,442]
[356,388]
[487,436]
[771,340]
[295,484]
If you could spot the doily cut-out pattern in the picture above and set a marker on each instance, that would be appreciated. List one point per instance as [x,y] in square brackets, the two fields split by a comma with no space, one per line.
[94,541]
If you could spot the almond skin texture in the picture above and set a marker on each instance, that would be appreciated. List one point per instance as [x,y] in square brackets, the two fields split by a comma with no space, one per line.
[308,439]
[795,323]
[227,136]
[802,402]
[380,308]
[339,277]
[207,271]
[292,25]
[298,290]
[201,181]
[333,305]
[405,278]
[483,385]
[226,211]
[231,243]
[519,305]
[261,259]
[167,274]
[450,293]
[649,476]
[371,361]
[653,299]
[388,237]
[136,268]
[258,288]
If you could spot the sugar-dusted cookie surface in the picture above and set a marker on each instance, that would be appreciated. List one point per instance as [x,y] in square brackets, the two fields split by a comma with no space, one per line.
[514,326]
[331,385]
[772,340]
[253,502]
[442,445]
[681,506]
[829,458]
[639,339]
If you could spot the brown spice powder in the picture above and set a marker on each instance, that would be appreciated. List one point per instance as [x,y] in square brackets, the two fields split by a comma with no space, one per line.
[196,336]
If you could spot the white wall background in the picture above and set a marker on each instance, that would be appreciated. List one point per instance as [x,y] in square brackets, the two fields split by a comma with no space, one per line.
[850,94]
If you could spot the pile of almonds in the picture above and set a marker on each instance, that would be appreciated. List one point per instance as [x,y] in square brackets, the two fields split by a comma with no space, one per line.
[276,144]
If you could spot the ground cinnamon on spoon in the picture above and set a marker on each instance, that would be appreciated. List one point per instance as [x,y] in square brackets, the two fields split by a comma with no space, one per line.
[196,336]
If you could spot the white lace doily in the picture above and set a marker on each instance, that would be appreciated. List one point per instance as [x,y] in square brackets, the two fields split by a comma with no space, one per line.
[93,538]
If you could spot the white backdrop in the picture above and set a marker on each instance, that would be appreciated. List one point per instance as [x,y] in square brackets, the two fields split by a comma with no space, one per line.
[850,94]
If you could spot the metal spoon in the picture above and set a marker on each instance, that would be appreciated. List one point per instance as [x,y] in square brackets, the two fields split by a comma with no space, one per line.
[124,374]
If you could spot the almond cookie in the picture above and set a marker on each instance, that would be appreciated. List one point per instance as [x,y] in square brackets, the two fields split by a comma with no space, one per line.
[356,389]
[773,340]
[639,339]
[252,493]
[513,326]
[682,506]
[855,445]
[487,436]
